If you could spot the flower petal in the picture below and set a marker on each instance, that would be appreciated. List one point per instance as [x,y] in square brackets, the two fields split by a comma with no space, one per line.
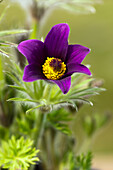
[32,72]
[33,50]
[73,68]
[56,41]
[76,53]
[64,84]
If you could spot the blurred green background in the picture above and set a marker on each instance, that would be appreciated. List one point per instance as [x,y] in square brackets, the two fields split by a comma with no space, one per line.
[94,31]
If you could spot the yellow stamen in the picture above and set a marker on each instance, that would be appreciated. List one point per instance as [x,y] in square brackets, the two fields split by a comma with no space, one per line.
[53,68]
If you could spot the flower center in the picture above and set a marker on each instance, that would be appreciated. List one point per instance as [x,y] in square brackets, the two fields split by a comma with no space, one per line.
[53,68]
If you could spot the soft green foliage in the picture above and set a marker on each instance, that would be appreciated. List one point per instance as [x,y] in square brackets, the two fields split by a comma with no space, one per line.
[58,119]
[3,133]
[17,154]
[83,161]
[3,13]
[92,123]
[75,6]
[8,44]
[80,162]
[12,32]
[24,122]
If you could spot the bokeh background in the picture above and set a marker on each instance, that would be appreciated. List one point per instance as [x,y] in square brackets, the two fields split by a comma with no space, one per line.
[94,31]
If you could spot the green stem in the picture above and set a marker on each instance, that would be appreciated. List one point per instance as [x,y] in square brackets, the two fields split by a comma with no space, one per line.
[39,126]
[39,130]
[50,151]
[85,146]
[35,27]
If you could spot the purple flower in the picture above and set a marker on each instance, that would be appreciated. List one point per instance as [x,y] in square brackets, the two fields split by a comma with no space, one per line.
[54,59]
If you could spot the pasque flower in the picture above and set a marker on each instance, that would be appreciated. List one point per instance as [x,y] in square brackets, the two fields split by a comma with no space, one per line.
[54,60]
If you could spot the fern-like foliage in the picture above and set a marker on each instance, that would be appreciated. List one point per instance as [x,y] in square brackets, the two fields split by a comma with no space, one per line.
[17,154]
[80,162]
[59,120]
[83,161]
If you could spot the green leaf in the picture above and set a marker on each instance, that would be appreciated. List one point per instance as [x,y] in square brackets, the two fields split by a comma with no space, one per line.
[72,103]
[82,9]
[17,99]
[63,128]
[13,77]
[7,43]
[59,120]
[4,53]
[41,105]
[85,92]
[82,100]
[18,88]
[12,32]
[3,13]
[83,83]
[83,161]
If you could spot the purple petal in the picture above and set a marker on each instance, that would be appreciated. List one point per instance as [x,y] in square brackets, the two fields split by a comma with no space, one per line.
[64,84]
[76,53]
[33,72]
[73,68]
[33,50]
[56,41]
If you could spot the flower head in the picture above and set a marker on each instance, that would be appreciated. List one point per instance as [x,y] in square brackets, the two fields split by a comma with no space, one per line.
[54,59]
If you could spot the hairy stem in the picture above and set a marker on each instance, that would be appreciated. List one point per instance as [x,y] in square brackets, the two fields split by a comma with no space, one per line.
[39,131]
